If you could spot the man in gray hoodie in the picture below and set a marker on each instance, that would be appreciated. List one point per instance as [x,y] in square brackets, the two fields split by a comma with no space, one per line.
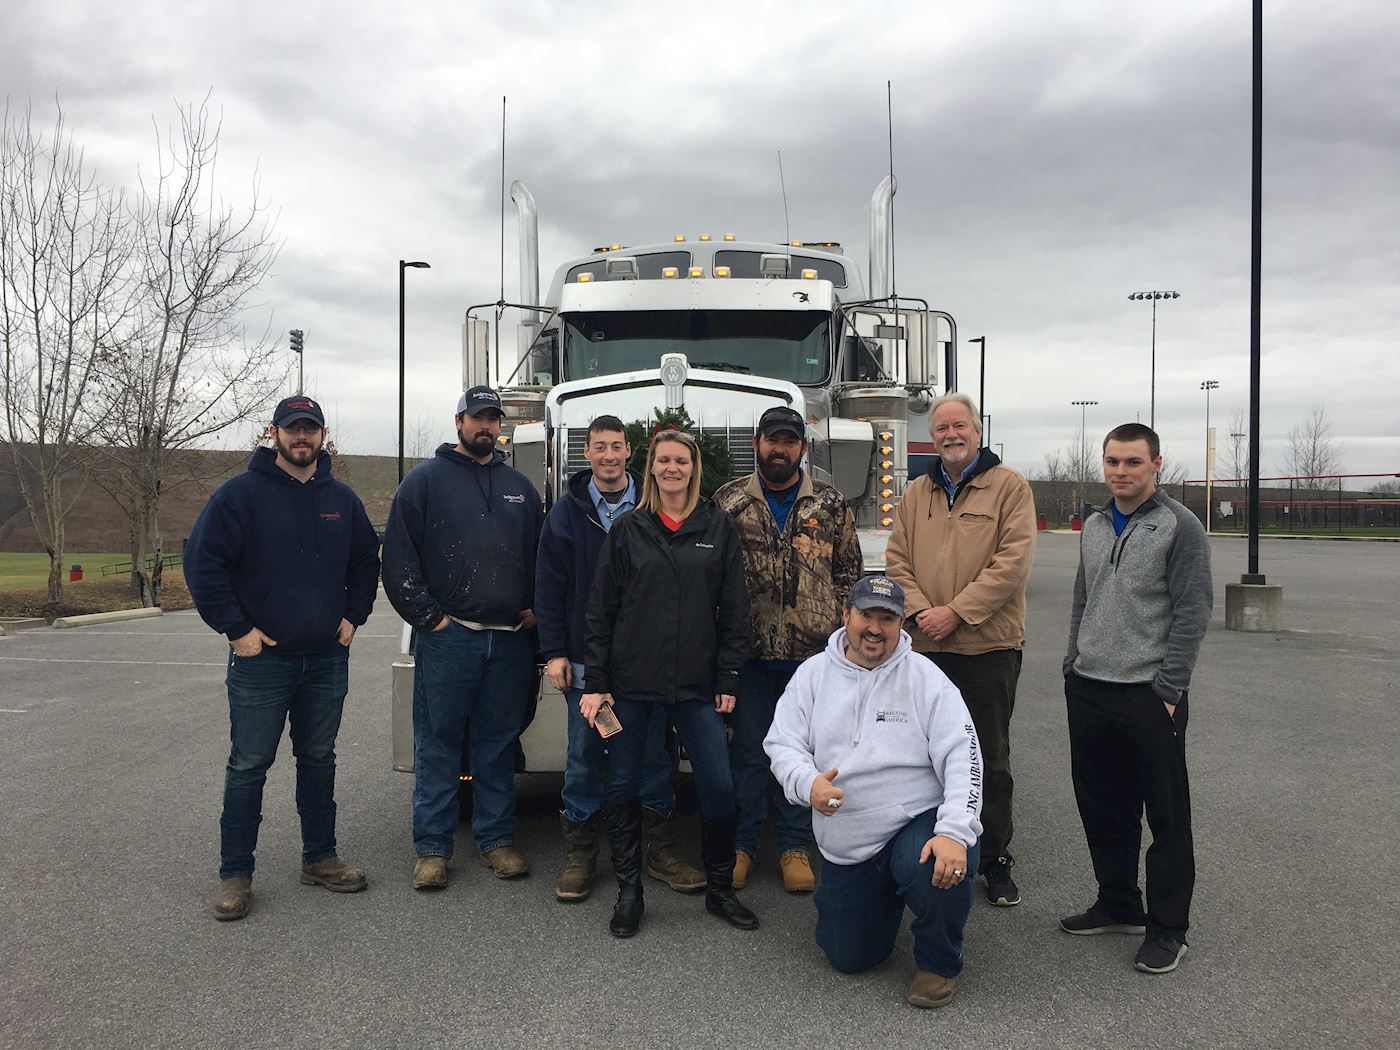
[902,829]
[1142,602]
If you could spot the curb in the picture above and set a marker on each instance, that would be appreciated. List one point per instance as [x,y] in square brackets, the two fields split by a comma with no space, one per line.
[106,617]
[22,623]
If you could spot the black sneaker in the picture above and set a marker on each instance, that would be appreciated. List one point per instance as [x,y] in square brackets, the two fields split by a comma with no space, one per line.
[1095,921]
[1001,891]
[1160,952]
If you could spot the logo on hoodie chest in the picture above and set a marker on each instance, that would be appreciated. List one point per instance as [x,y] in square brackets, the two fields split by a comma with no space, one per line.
[333,515]
[892,715]
[513,497]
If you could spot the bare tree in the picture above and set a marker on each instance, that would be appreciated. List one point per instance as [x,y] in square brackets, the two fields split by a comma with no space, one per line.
[424,436]
[1236,458]
[64,247]
[188,370]
[1313,454]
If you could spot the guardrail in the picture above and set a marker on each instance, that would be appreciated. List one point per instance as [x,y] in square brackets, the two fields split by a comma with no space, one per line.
[125,567]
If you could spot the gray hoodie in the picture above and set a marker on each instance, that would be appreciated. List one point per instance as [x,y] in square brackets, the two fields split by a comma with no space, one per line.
[899,736]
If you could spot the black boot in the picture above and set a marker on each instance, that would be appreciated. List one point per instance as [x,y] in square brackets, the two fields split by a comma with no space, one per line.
[717,851]
[625,837]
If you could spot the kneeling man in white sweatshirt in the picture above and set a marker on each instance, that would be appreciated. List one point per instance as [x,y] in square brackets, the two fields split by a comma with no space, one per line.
[901,829]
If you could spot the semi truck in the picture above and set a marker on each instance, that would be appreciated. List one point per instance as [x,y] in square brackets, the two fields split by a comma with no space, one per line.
[725,329]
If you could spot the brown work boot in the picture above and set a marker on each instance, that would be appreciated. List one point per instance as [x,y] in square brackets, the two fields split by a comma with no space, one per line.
[580,863]
[796,867]
[334,874]
[930,991]
[663,862]
[232,896]
[743,864]
[430,873]
[505,862]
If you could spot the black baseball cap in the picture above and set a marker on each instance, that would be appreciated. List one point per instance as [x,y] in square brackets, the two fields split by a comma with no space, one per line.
[780,418]
[298,406]
[479,399]
[878,592]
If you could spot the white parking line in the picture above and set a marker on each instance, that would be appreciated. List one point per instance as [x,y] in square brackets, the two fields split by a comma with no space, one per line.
[138,663]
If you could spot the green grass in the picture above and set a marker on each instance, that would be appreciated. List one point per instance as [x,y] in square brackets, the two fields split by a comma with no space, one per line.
[25,571]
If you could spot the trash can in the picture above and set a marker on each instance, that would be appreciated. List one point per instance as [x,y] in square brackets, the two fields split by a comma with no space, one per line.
[75,573]
[1041,523]
[1076,523]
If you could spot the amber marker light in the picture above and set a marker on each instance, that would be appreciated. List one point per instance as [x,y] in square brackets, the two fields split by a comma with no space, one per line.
[680,238]
[721,271]
[697,271]
[584,278]
[704,236]
[809,275]
[728,236]
[668,272]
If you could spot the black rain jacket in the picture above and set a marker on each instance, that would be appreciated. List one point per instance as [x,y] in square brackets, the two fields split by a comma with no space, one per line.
[668,618]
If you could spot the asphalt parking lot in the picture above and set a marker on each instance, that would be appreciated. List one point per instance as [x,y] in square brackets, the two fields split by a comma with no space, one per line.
[112,744]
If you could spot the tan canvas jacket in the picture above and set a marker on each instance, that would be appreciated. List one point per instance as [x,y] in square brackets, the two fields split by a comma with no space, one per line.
[797,579]
[975,557]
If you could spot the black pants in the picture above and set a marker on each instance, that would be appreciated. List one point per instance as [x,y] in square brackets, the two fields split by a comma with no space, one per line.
[987,682]
[1127,754]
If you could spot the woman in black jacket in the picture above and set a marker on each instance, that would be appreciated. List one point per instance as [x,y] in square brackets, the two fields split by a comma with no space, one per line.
[667,635]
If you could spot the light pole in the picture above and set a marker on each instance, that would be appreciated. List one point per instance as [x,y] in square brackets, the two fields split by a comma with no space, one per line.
[987,423]
[299,347]
[1081,469]
[981,342]
[1208,386]
[1000,454]
[402,267]
[1154,296]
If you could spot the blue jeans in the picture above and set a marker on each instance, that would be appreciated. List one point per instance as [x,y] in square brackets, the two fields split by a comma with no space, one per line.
[586,770]
[477,680]
[701,730]
[264,693]
[754,785]
[860,906]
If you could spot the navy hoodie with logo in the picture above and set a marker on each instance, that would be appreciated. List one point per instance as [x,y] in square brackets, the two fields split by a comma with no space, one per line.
[461,541]
[290,558]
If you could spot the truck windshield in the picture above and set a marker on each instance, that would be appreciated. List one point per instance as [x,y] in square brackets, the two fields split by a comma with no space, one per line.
[781,345]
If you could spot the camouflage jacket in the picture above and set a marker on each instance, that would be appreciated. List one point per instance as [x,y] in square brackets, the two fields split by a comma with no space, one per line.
[797,579]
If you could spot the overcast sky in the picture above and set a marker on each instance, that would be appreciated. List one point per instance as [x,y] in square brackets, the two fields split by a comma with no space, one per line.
[1052,158]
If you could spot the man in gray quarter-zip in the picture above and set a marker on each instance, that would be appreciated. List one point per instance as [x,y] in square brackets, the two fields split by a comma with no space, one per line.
[1142,602]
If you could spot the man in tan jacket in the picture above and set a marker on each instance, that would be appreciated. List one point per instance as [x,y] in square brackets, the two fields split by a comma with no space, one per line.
[961,547]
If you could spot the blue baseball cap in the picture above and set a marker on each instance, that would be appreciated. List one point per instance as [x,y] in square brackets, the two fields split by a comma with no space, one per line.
[877,592]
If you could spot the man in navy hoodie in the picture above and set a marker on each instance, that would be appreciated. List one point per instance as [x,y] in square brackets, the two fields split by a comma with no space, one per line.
[459,566]
[283,560]
[573,536]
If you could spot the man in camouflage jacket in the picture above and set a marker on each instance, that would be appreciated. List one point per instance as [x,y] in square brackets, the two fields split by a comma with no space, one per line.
[801,557]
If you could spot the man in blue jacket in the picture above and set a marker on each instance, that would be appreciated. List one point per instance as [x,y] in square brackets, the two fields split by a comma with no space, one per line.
[283,561]
[573,535]
[459,566]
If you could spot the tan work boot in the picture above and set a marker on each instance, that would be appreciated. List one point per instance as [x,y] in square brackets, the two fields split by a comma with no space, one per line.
[334,874]
[430,873]
[580,863]
[232,897]
[796,867]
[929,991]
[663,861]
[743,864]
[505,862]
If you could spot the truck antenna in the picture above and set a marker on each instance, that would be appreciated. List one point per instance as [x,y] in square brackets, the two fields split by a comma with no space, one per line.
[889,123]
[787,227]
[501,303]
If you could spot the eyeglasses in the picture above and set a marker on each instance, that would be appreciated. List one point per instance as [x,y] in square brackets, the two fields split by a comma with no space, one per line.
[302,426]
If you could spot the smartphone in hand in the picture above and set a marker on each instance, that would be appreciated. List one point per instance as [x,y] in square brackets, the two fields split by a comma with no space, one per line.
[605,721]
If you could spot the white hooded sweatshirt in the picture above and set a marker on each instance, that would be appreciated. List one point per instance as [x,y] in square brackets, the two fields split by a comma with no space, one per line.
[899,736]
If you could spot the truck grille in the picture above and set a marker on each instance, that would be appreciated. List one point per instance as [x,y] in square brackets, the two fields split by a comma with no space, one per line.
[739,440]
